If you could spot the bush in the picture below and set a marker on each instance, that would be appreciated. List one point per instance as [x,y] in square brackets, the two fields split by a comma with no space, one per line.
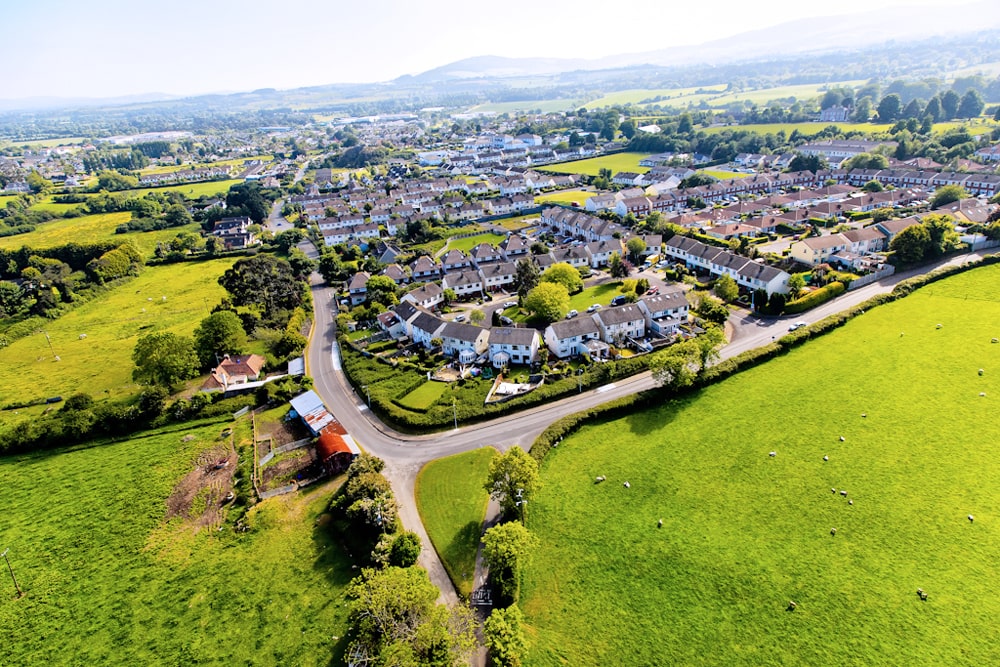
[405,550]
[815,298]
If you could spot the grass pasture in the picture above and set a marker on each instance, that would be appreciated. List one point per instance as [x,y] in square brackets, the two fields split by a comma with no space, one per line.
[545,106]
[743,533]
[452,504]
[190,190]
[89,229]
[671,96]
[102,362]
[616,162]
[424,396]
[110,581]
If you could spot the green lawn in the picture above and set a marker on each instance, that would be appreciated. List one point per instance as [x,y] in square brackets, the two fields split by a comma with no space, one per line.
[452,504]
[110,581]
[470,242]
[743,533]
[48,205]
[88,229]
[616,162]
[601,294]
[518,223]
[671,96]
[424,396]
[564,197]
[235,162]
[721,174]
[112,324]
[47,143]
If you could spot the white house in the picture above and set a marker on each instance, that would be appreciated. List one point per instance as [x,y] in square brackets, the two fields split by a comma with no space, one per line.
[520,345]
[457,337]
[619,322]
[569,338]
[665,312]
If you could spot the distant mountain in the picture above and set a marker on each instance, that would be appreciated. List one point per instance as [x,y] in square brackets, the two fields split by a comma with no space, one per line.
[29,103]
[818,35]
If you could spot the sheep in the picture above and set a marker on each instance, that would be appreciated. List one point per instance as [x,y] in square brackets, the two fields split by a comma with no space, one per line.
[842,438]
[833,531]
[599,479]
[659,524]
[939,325]
[792,605]
[826,458]
[850,502]
[843,492]
[981,371]
[971,518]
[983,394]
[923,596]
[627,485]
[995,340]
[833,490]
[773,454]
[864,414]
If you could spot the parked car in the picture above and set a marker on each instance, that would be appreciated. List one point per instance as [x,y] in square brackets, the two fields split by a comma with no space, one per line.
[571,314]
[798,325]
[594,307]
[619,300]
[459,318]
[653,291]
[506,321]
[509,304]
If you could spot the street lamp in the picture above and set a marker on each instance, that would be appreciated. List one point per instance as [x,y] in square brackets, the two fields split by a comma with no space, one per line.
[454,412]
[13,578]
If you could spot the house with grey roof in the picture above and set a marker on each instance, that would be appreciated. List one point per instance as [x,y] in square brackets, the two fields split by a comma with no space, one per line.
[665,312]
[463,283]
[519,344]
[428,295]
[620,322]
[569,338]
[457,337]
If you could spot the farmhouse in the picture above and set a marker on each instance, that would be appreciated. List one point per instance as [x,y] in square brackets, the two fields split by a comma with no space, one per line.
[234,371]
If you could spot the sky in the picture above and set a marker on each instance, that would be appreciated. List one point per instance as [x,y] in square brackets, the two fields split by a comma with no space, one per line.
[108,48]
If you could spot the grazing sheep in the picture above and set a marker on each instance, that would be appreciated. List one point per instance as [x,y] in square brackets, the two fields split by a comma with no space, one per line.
[939,325]
[792,605]
[982,393]
[773,454]
[833,531]
[627,485]
[995,340]
[864,414]
[833,490]
[841,438]
[971,518]
[659,524]
[923,596]
[599,479]
[850,502]
[920,591]
[826,458]
[981,371]
[843,492]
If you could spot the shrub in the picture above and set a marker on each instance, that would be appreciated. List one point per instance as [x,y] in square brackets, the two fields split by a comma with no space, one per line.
[815,298]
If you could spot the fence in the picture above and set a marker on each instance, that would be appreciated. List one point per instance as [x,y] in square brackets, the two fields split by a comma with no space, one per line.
[264,460]
[984,243]
[871,277]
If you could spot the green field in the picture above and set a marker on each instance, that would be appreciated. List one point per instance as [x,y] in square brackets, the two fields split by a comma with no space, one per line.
[517,223]
[672,96]
[190,190]
[813,128]
[88,229]
[721,174]
[235,162]
[47,143]
[564,197]
[616,162]
[48,205]
[743,533]
[470,242]
[452,504]
[545,106]
[424,396]
[102,362]
[110,581]
[601,294]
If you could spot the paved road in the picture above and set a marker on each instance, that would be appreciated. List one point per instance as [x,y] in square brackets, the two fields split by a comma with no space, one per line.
[406,454]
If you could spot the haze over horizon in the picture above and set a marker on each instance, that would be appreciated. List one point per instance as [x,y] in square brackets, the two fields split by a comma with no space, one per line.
[111,48]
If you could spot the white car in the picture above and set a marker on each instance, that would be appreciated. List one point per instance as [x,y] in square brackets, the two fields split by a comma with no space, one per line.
[509,304]
[571,314]
[459,318]
[594,308]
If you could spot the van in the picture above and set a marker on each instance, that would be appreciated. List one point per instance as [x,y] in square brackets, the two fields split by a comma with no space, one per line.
[619,300]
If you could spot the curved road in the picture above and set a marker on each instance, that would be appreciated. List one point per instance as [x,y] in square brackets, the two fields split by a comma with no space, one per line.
[404,455]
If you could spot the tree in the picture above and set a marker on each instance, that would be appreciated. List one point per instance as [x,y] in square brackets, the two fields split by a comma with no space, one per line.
[266,283]
[674,366]
[564,274]
[947,194]
[796,283]
[512,479]
[635,247]
[177,216]
[863,110]
[503,634]
[395,620]
[867,161]
[972,104]
[711,309]
[996,114]
[477,316]
[941,229]
[549,301]
[164,358]
[934,110]
[910,245]
[708,345]
[872,186]
[811,163]
[949,104]
[382,289]
[913,109]
[726,288]
[617,267]
[505,549]
[288,239]
[526,275]
[405,550]
[889,108]
[218,334]
[448,296]
[248,198]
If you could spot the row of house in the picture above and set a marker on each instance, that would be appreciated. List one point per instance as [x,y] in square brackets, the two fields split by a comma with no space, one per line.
[588,334]
[748,273]
[976,184]
[185,176]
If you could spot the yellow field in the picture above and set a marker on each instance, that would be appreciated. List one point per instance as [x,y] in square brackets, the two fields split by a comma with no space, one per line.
[88,229]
